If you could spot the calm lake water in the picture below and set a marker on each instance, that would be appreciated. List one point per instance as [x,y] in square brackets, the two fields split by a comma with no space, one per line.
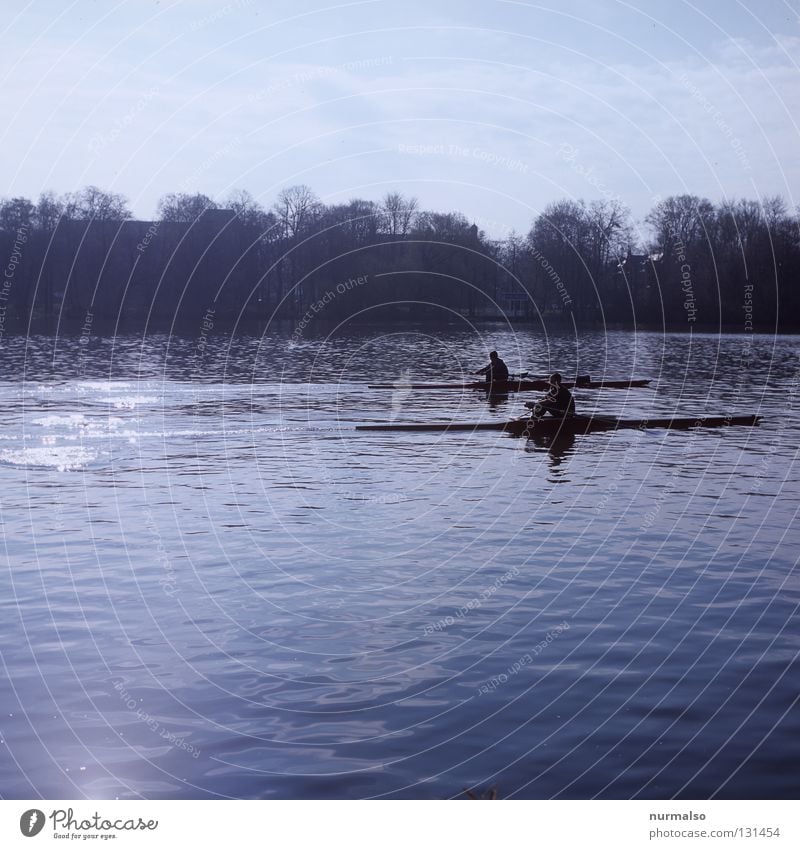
[212,586]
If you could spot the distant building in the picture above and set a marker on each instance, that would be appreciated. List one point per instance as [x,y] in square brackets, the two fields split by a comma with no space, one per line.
[639,270]
[638,274]
[217,218]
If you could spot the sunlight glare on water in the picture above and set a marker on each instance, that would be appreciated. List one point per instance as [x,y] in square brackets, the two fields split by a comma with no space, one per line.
[215,586]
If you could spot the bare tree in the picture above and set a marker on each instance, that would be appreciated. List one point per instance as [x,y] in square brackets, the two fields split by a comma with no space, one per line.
[49,211]
[248,211]
[774,210]
[445,226]
[295,209]
[610,229]
[15,213]
[363,219]
[397,214]
[682,220]
[93,204]
[184,207]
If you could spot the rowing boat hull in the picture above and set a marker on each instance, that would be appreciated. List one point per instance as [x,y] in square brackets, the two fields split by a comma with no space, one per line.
[573,425]
[516,385]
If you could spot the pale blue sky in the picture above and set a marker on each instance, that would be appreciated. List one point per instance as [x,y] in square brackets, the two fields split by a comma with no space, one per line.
[490,108]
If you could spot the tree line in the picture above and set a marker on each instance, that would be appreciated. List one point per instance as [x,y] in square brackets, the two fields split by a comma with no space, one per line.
[82,257]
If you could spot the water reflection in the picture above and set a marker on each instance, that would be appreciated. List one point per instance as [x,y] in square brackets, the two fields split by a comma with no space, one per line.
[497,399]
[557,448]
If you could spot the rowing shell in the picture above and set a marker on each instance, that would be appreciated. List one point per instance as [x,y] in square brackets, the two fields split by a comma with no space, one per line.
[551,426]
[516,385]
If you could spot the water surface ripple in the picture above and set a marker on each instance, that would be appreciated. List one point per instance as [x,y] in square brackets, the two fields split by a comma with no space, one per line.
[213,586]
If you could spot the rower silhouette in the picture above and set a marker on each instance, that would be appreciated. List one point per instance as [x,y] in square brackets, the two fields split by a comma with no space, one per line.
[557,402]
[496,372]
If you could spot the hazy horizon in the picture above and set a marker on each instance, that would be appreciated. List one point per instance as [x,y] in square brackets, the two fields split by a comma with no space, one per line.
[493,109]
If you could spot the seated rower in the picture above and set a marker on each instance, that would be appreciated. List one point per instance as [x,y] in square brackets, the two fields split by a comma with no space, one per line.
[557,402]
[496,371]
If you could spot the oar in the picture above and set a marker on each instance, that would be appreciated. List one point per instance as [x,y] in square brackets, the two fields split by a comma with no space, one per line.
[521,375]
